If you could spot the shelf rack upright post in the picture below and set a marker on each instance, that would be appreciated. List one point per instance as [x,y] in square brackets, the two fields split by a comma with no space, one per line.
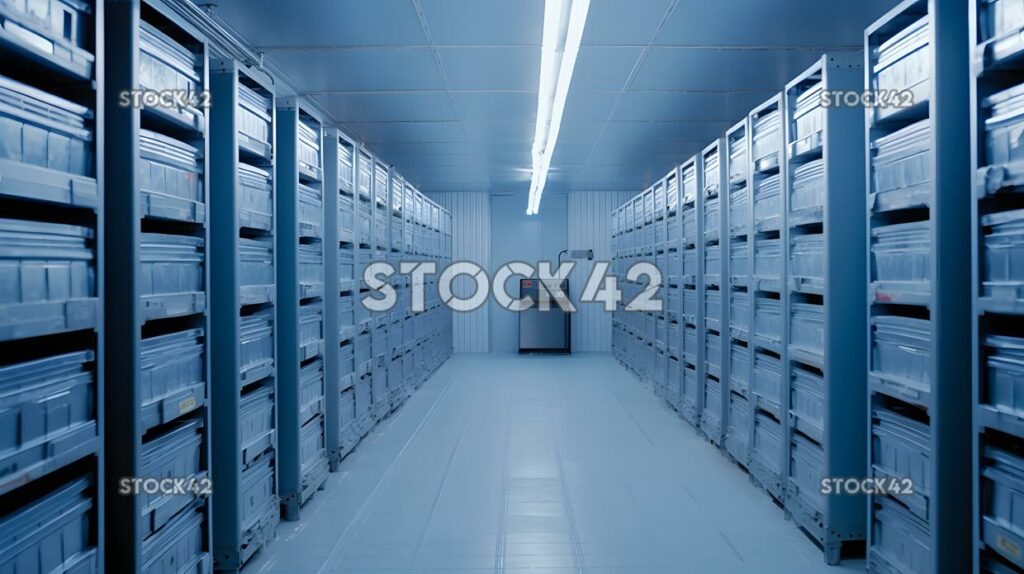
[363,248]
[691,207]
[715,236]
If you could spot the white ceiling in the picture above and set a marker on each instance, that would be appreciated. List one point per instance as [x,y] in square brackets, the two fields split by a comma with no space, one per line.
[445,90]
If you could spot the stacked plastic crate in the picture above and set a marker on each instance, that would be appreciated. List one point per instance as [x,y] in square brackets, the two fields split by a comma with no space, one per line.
[51,249]
[740,312]
[673,300]
[379,353]
[826,369]
[659,256]
[998,220]
[158,238]
[300,279]
[363,208]
[770,397]
[243,312]
[397,388]
[919,419]
[715,235]
[692,290]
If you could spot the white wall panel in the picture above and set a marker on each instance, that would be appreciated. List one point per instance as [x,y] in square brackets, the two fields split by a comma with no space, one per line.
[471,241]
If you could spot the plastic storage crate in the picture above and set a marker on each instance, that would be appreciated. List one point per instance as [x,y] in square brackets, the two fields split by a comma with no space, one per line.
[713,352]
[739,427]
[309,150]
[768,203]
[807,327]
[253,120]
[689,226]
[313,455]
[807,198]
[42,130]
[901,253]
[256,270]
[170,179]
[167,65]
[256,347]
[901,348]
[739,309]
[47,278]
[711,219]
[1002,488]
[768,318]
[767,383]
[177,547]
[255,198]
[739,361]
[54,31]
[767,442]
[901,168]
[901,448]
[690,305]
[739,258]
[1003,386]
[768,258]
[690,262]
[1004,125]
[690,344]
[259,502]
[807,403]
[347,410]
[903,62]
[901,541]
[767,140]
[311,270]
[311,390]
[712,261]
[346,218]
[808,119]
[713,307]
[806,471]
[710,418]
[48,407]
[52,533]
[256,424]
[1003,269]
[173,376]
[171,274]
[311,212]
[998,17]
[177,453]
[311,329]
[738,159]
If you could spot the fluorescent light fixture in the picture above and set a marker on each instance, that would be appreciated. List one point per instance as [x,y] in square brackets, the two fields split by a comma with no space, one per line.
[564,21]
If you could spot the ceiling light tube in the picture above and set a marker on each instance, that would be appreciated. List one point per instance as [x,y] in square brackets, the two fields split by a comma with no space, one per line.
[564,21]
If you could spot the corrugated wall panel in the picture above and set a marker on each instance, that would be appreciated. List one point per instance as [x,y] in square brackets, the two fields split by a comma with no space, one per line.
[471,241]
[590,228]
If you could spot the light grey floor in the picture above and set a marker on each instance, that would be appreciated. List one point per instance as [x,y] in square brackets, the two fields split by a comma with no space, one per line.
[503,463]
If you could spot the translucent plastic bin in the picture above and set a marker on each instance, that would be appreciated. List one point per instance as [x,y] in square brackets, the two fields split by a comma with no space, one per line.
[311,328]
[309,150]
[172,376]
[767,442]
[768,203]
[363,352]
[170,178]
[808,187]
[257,346]
[739,309]
[713,304]
[171,266]
[690,344]
[253,117]
[768,318]
[901,165]
[807,117]
[738,159]
[739,258]
[55,31]
[175,454]
[311,212]
[52,533]
[767,383]
[689,262]
[690,184]
[347,409]
[255,198]
[167,65]
[258,495]
[1004,374]
[256,262]
[346,215]
[739,361]
[901,348]
[713,351]
[902,542]
[712,260]
[711,418]
[256,423]
[711,165]
[767,130]
[1003,273]
[901,448]
[903,62]
[739,211]
[364,227]
[998,17]
[689,226]
[311,390]
[1002,494]
[806,471]
[345,167]
[311,269]
[45,131]
[807,327]
[711,219]
[739,423]
[43,268]
[807,402]
[689,386]
[177,547]
[47,411]
[690,303]
[346,310]
[768,258]
[901,253]
[313,452]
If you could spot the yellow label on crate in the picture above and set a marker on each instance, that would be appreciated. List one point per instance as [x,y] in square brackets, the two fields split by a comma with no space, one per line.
[187,404]
[1008,546]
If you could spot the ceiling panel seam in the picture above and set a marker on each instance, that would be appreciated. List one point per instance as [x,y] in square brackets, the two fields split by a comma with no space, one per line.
[418,6]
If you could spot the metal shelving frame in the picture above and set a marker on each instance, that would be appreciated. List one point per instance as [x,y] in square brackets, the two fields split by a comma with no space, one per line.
[714,186]
[838,144]
[363,203]
[945,405]
[295,484]
[673,305]
[740,280]
[127,325]
[760,168]
[39,194]
[997,54]
[233,546]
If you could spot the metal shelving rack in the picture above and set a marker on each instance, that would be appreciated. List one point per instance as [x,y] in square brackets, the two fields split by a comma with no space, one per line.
[52,332]
[741,312]
[398,391]
[363,204]
[379,355]
[769,453]
[997,286]
[691,204]
[715,234]
[825,370]
[158,238]
[672,279]
[300,308]
[918,401]
[244,306]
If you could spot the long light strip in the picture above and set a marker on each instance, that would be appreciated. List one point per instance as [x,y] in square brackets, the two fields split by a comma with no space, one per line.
[564,21]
